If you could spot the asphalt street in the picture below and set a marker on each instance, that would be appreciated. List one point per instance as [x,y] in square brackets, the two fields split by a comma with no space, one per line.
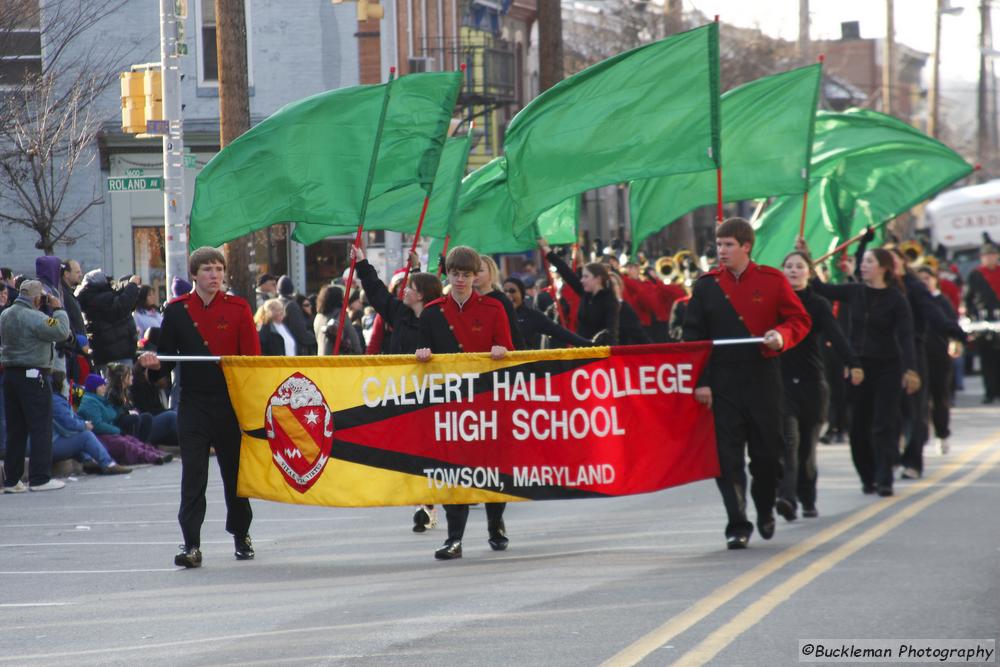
[88,579]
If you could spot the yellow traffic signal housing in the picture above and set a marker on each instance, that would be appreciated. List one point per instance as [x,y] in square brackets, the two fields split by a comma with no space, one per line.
[152,90]
[367,9]
[370,9]
[133,102]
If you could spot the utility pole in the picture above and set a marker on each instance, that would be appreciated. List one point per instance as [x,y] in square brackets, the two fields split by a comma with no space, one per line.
[888,54]
[673,17]
[175,223]
[550,44]
[234,120]
[934,101]
[982,106]
[803,45]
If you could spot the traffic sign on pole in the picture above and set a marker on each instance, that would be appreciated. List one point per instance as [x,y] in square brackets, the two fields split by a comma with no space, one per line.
[135,183]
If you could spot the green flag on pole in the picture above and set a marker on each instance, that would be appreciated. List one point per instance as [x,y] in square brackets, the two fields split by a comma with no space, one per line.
[308,163]
[485,217]
[647,112]
[767,135]
[867,168]
[399,210]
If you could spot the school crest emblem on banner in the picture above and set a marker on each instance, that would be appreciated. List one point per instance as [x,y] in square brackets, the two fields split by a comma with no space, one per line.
[299,428]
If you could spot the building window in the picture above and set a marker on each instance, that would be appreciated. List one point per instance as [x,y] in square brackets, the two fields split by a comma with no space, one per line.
[149,259]
[20,41]
[208,48]
[208,55]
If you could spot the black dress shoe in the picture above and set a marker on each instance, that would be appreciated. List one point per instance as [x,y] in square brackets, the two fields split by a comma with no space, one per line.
[244,548]
[449,551]
[810,512]
[885,491]
[765,526]
[188,557]
[498,537]
[737,541]
[785,508]
[868,489]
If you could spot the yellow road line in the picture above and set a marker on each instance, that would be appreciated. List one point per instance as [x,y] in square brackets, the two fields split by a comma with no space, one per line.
[753,614]
[683,621]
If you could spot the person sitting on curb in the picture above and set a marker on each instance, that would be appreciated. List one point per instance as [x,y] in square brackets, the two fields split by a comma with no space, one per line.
[74,437]
[95,408]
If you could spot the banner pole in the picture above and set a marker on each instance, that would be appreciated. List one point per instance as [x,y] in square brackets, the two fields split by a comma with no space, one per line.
[413,246]
[718,189]
[802,221]
[364,210]
[444,253]
[843,245]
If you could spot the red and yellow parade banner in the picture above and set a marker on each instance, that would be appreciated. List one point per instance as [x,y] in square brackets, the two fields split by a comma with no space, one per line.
[360,431]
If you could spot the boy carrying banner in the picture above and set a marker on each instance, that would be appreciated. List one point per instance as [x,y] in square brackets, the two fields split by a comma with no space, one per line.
[742,383]
[464,321]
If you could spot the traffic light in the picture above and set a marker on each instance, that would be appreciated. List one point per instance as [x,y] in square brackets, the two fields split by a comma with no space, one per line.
[152,89]
[370,9]
[133,103]
[367,9]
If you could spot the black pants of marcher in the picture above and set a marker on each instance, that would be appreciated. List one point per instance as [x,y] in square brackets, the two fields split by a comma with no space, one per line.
[747,404]
[989,358]
[458,515]
[915,415]
[839,412]
[940,369]
[28,407]
[804,416]
[875,420]
[204,422]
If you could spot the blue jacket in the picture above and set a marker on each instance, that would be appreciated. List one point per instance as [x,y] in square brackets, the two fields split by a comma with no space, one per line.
[98,411]
[65,422]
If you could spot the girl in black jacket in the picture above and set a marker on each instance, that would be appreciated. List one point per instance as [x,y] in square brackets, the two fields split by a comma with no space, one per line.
[487,283]
[401,315]
[533,323]
[806,393]
[882,333]
[630,329]
[599,307]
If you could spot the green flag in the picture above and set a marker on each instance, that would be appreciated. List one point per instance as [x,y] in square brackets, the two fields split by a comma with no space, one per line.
[309,162]
[648,112]
[399,210]
[485,217]
[767,134]
[867,168]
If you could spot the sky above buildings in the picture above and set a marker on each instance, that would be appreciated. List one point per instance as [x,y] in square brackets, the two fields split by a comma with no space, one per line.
[914,26]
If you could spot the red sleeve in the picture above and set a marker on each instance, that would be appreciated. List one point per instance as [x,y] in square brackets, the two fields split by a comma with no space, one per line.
[249,339]
[794,322]
[378,333]
[501,329]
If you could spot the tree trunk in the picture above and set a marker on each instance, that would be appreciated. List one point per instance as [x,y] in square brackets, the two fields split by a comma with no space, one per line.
[550,44]
[234,120]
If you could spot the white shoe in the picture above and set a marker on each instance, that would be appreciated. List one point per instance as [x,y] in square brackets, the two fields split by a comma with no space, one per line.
[50,485]
[943,447]
[17,488]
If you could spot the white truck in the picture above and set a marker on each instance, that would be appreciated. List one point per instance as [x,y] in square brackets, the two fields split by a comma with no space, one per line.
[957,219]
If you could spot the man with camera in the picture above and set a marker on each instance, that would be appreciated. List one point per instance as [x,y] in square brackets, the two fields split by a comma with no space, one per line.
[108,310]
[28,354]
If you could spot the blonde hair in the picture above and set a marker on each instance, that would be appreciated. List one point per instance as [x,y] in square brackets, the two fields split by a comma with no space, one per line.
[265,314]
[493,270]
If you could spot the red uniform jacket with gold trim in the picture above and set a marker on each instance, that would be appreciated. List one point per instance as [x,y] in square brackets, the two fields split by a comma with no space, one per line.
[761,299]
[475,326]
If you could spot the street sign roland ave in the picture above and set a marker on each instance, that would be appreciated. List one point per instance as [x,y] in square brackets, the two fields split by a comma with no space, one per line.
[135,184]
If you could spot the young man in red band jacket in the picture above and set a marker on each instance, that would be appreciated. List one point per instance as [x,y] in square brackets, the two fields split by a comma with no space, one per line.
[207,322]
[464,321]
[742,383]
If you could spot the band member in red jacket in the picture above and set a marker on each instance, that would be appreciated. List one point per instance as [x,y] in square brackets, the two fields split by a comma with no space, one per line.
[742,383]
[464,321]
